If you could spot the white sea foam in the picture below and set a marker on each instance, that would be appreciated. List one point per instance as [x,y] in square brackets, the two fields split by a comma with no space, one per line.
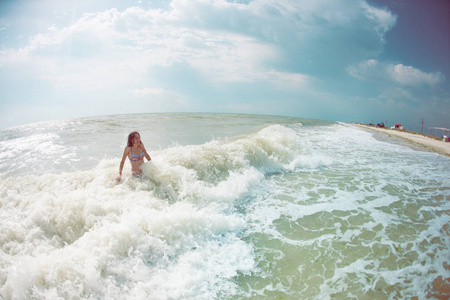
[75,234]
[172,234]
[314,211]
[353,226]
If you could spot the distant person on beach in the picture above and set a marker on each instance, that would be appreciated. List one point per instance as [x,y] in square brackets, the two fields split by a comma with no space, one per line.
[135,151]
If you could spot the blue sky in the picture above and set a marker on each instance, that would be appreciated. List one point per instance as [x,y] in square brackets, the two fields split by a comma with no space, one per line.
[341,60]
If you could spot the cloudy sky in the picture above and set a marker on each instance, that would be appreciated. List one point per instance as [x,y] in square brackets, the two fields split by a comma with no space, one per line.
[342,60]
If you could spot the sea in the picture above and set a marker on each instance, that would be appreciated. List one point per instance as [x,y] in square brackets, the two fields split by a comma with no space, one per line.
[231,206]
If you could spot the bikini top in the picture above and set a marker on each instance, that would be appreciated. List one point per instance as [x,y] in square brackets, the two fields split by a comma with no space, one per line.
[135,157]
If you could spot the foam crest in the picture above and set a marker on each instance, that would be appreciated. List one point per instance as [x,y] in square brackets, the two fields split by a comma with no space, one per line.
[223,170]
[40,151]
[371,222]
[82,235]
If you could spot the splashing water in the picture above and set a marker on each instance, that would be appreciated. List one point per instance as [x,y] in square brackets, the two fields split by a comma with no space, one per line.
[238,207]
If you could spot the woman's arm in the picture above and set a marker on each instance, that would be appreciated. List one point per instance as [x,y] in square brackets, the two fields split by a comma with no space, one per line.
[124,157]
[145,152]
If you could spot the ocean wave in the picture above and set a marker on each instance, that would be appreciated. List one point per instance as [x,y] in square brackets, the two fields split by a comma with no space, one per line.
[80,234]
[223,169]
[172,233]
[313,210]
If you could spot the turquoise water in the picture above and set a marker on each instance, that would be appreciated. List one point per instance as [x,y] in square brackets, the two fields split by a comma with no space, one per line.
[230,207]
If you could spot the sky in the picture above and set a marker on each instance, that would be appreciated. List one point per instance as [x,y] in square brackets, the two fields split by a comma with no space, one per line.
[365,61]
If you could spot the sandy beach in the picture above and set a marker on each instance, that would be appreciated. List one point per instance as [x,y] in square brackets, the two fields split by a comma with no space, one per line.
[423,142]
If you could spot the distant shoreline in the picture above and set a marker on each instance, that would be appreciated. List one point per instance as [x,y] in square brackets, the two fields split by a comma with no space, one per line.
[424,142]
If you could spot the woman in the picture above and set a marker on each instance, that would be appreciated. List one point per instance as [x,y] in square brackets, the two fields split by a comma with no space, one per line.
[135,151]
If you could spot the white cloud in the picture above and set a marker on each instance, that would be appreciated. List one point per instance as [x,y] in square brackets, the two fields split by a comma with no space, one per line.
[117,48]
[203,48]
[369,69]
[154,92]
[394,74]
[224,41]
[143,92]
[292,81]
[159,99]
[407,75]
[383,20]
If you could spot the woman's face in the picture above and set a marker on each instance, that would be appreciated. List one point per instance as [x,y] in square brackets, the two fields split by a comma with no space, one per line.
[137,139]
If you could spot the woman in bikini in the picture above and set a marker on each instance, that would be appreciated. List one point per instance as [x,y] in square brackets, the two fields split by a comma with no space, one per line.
[135,151]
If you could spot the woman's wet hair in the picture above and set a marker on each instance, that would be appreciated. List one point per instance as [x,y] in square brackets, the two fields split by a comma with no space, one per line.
[131,137]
